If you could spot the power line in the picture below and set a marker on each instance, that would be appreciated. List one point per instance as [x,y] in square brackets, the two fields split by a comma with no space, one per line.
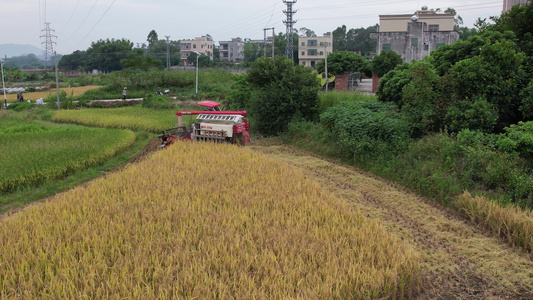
[71,15]
[98,22]
[83,22]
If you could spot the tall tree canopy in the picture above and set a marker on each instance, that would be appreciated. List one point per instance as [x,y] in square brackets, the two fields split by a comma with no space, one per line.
[342,62]
[152,38]
[106,55]
[355,40]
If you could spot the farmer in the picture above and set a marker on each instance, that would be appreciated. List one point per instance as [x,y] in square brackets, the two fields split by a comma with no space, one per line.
[21,97]
[124,94]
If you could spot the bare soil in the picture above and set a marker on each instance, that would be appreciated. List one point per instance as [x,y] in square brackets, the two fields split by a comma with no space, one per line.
[458,259]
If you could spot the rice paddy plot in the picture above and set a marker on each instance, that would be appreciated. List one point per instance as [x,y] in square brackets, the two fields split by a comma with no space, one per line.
[202,221]
[33,153]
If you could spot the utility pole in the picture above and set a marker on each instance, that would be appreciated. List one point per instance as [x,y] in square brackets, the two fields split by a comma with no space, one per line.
[48,44]
[289,22]
[168,51]
[57,81]
[326,64]
[3,84]
[266,39]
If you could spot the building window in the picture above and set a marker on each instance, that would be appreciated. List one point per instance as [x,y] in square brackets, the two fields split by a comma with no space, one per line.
[426,47]
[303,63]
[312,43]
[414,42]
[313,63]
[312,52]
[433,27]
[194,46]
[303,53]
[321,52]
[386,47]
[303,43]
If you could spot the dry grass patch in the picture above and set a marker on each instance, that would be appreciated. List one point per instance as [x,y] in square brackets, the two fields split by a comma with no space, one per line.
[76,91]
[202,221]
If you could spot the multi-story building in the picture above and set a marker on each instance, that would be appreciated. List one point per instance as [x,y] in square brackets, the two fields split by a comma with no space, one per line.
[202,45]
[311,50]
[232,51]
[508,4]
[415,36]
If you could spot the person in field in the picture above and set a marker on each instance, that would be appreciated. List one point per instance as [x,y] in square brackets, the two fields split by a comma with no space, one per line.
[124,94]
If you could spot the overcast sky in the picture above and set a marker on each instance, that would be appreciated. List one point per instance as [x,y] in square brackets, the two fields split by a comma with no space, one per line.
[77,23]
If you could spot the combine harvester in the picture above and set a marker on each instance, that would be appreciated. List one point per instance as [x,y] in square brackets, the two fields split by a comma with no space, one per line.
[212,125]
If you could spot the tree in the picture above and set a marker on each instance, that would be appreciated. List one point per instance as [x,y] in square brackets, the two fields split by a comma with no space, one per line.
[355,40]
[76,60]
[251,52]
[307,32]
[282,91]
[339,38]
[386,61]
[152,38]
[342,62]
[106,55]
[203,61]
[137,60]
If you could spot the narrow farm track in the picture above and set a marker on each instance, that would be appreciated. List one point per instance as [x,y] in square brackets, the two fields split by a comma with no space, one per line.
[459,261]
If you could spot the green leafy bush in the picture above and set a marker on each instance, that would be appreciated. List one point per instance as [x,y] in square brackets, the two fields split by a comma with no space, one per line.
[518,139]
[365,130]
[157,102]
[475,114]
[20,106]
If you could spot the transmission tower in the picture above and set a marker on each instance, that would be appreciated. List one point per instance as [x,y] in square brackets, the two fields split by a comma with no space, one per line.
[48,43]
[289,22]
[168,51]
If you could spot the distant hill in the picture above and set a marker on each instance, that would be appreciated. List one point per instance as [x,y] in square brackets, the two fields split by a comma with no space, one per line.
[11,50]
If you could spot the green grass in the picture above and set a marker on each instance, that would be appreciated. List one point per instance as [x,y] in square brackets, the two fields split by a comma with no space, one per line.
[28,194]
[34,153]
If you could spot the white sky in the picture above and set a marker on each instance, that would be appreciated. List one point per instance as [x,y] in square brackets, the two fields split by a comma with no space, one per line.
[77,23]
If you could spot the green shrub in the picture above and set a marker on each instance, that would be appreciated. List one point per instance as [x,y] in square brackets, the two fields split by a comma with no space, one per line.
[20,106]
[157,102]
[518,139]
[367,130]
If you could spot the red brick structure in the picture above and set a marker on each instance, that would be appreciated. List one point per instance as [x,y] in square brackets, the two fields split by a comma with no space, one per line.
[375,82]
[341,82]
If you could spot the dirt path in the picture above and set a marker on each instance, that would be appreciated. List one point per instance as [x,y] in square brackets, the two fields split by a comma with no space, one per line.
[459,261]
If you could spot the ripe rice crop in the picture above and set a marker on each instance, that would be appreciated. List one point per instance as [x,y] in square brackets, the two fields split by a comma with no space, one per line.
[201,221]
[32,153]
[134,118]
[75,91]
[510,222]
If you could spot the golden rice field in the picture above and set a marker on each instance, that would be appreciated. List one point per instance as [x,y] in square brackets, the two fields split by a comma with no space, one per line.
[76,91]
[132,117]
[33,153]
[201,221]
